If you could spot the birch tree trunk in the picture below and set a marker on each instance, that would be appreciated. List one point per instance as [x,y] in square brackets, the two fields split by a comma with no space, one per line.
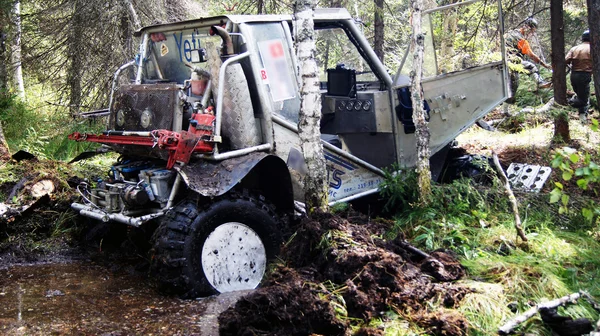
[16,50]
[417,47]
[315,183]
[559,77]
[133,15]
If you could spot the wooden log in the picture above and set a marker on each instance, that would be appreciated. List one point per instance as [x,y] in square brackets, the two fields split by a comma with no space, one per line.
[511,196]
[508,327]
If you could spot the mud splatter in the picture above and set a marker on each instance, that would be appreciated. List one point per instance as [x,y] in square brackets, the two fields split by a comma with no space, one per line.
[370,278]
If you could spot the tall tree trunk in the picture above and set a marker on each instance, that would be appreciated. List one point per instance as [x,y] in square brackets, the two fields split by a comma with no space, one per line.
[593,19]
[447,37]
[559,79]
[417,47]
[75,49]
[315,183]
[16,50]
[260,7]
[3,67]
[379,25]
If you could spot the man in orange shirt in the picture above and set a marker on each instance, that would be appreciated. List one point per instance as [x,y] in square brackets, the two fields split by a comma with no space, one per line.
[517,47]
[580,59]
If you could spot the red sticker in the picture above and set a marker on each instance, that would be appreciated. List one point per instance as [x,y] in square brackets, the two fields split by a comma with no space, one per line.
[276,49]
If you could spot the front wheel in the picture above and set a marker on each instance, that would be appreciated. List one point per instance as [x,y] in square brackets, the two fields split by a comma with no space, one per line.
[222,247]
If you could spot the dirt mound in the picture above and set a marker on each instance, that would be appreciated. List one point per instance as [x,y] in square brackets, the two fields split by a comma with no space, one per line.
[288,305]
[36,223]
[347,266]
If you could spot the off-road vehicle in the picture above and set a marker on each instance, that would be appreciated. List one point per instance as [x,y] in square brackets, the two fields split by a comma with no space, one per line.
[208,136]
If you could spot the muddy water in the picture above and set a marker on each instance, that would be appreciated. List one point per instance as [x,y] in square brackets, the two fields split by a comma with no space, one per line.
[85,299]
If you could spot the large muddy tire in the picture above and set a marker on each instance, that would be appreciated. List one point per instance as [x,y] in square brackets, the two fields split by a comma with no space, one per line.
[221,248]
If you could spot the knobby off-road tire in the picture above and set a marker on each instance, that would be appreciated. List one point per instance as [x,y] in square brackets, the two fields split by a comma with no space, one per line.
[223,247]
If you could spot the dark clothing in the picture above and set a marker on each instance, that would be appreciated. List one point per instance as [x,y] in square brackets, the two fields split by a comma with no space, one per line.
[580,80]
[581,76]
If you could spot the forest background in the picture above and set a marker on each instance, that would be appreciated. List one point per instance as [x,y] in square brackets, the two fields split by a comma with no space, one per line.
[58,58]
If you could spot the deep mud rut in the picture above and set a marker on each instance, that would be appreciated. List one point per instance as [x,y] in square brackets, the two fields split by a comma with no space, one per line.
[333,270]
[331,260]
[81,298]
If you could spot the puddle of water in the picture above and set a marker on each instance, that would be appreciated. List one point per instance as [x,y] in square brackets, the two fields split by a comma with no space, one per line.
[79,298]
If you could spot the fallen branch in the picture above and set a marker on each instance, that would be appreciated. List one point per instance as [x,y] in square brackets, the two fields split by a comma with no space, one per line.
[543,109]
[407,246]
[512,324]
[495,122]
[511,196]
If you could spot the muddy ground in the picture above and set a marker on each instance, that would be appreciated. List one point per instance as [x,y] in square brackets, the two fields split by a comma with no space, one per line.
[61,274]
[334,261]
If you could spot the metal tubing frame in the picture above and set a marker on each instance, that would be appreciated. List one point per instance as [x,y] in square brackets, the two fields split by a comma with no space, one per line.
[235,153]
[143,52]
[329,146]
[221,89]
[364,44]
[105,217]
[356,196]
[207,94]
[174,190]
[114,83]
[503,48]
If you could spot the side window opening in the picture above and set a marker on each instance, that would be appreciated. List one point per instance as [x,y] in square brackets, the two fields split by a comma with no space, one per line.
[458,38]
[169,52]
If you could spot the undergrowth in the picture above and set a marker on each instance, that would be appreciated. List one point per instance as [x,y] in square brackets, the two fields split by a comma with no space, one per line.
[43,132]
[561,256]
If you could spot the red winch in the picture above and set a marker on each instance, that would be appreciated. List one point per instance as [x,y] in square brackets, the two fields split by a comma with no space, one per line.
[181,145]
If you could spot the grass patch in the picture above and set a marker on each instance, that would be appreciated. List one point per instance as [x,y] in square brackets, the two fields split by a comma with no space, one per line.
[43,132]
[560,258]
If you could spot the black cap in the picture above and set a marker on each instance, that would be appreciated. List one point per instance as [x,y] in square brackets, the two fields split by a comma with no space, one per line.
[585,37]
[531,22]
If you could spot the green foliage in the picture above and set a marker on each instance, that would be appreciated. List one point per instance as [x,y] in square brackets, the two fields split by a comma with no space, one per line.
[339,207]
[455,209]
[583,169]
[555,263]
[478,225]
[400,189]
[528,93]
[42,134]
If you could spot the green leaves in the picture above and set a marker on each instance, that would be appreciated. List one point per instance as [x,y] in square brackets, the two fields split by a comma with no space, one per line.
[555,195]
[574,157]
[587,213]
[573,163]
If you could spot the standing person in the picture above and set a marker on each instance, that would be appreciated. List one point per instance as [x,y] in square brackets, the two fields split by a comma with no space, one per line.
[581,75]
[517,47]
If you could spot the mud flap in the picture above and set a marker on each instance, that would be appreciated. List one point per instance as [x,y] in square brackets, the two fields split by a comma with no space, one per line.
[259,170]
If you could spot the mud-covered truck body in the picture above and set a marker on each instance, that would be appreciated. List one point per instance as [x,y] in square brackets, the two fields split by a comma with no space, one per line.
[208,136]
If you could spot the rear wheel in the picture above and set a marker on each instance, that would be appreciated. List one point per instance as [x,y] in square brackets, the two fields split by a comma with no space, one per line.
[221,248]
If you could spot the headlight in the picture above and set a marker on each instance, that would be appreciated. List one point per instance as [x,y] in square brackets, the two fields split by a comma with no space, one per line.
[146,118]
[120,118]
